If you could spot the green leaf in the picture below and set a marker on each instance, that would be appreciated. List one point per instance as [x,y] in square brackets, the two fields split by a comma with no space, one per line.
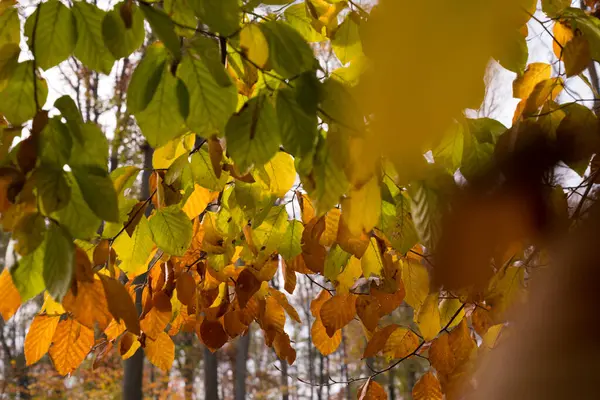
[77,217]
[55,33]
[90,48]
[29,232]
[146,78]
[289,247]
[449,152]
[425,211]
[92,150]
[52,188]
[221,16]
[252,134]
[588,25]
[268,235]
[298,19]
[297,128]
[211,103]
[335,261]
[162,119]
[98,191]
[58,262]
[10,27]
[182,15]
[9,59]
[17,101]
[120,40]
[513,56]
[346,41]
[208,51]
[27,273]
[203,172]
[163,28]
[134,251]
[485,130]
[55,143]
[338,105]
[554,7]
[397,225]
[69,111]
[171,230]
[289,54]
[477,158]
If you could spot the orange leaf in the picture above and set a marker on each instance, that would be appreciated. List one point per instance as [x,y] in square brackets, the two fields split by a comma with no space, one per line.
[114,329]
[245,286]
[71,342]
[481,321]
[283,348]
[427,388]
[39,337]
[401,343]
[325,344]
[289,277]
[441,355]
[232,323]
[356,245]
[128,345]
[368,310]
[161,352]
[186,288]
[461,342]
[83,266]
[337,312]
[283,302]
[156,320]
[332,220]
[10,299]
[317,303]
[198,200]
[306,207]
[103,253]
[371,390]
[389,301]
[312,251]
[120,304]
[212,334]
[378,340]
[89,305]
[272,316]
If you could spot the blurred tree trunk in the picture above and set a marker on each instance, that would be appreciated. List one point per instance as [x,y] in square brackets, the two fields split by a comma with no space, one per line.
[321,377]
[134,366]
[391,385]
[211,375]
[241,369]
[284,380]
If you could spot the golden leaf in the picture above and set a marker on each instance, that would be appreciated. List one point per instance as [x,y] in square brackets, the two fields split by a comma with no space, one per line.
[371,390]
[283,348]
[317,303]
[337,312]
[306,207]
[89,305]
[10,299]
[232,323]
[562,34]
[281,173]
[39,337]
[254,44]
[535,73]
[332,220]
[283,301]
[71,342]
[416,283]
[312,251]
[347,278]
[441,356]
[272,316]
[461,343]
[427,388]
[378,340]
[428,317]
[128,345]
[289,277]
[51,306]
[325,344]
[371,261]
[198,200]
[156,320]
[114,329]
[120,304]
[448,311]
[161,352]
[481,320]
[401,343]
[368,310]
[362,207]
[388,301]
[355,245]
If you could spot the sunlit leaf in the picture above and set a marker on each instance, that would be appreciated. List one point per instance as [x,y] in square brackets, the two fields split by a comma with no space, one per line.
[39,337]
[427,388]
[161,352]
[70,344]
[90,48]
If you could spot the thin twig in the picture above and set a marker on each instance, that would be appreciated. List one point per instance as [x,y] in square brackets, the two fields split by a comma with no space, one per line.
[34,63]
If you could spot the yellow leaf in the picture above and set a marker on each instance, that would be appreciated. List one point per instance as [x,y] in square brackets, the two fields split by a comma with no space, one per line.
[10,299]
[371,390]
[120,304]
[337,312]
[114,329]
[128,345]
[563,34]
[281,172]
[39,337]
[136,251]
[428,317]
[198,200]
[461,343]
[332,220]
[164,156]
[416,283]
[325,344]
[70,344]
[401,343]
[349,275]
[576,55]
[371,261]
[161,352]
[156,320]
[448,310]
[254,44]
[534,74]
[490,338]
[272,316]
[90,305]
[51,306]
[441,356]
[283,302]
[546,90]
[427,388]
[317,303]
[362,207]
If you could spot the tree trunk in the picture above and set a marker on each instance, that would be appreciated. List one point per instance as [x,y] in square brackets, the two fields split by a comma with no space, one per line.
[211,375]
[391,385]
[284,380]
[321,377]
[134,366]
[241,370]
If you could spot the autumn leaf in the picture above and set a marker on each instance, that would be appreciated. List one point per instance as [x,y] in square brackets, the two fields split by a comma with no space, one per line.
[128,345]
[89,305]
[441,355]
[337,312]
[427,388]
[378,340]
[416,283]
[368,310]
[39,337]
[186,287]
[371,390]
[535,73]
[10,300]
[245,286]
[322,341]
[461,342]
[120,304]
[71,342]
[156,320]
[428,317]
[161,352]
[401,343]
[212,334]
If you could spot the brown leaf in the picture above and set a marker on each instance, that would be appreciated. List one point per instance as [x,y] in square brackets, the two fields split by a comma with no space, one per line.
[120,304]
[103,253]
[427,388]
[378,340]
[289,277]
[90,305]
[212,334]
[70,344]
[356,245]
[371,390]
[441,355]
[283,348]
[134,217]
[388,301]
[461,342]
[337,312]
[186,287]
[215,151]
[312,251]
[233,324]
[27,154]
[272,316]
[368,310]
[83,266]
[481,321]
[245,286]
